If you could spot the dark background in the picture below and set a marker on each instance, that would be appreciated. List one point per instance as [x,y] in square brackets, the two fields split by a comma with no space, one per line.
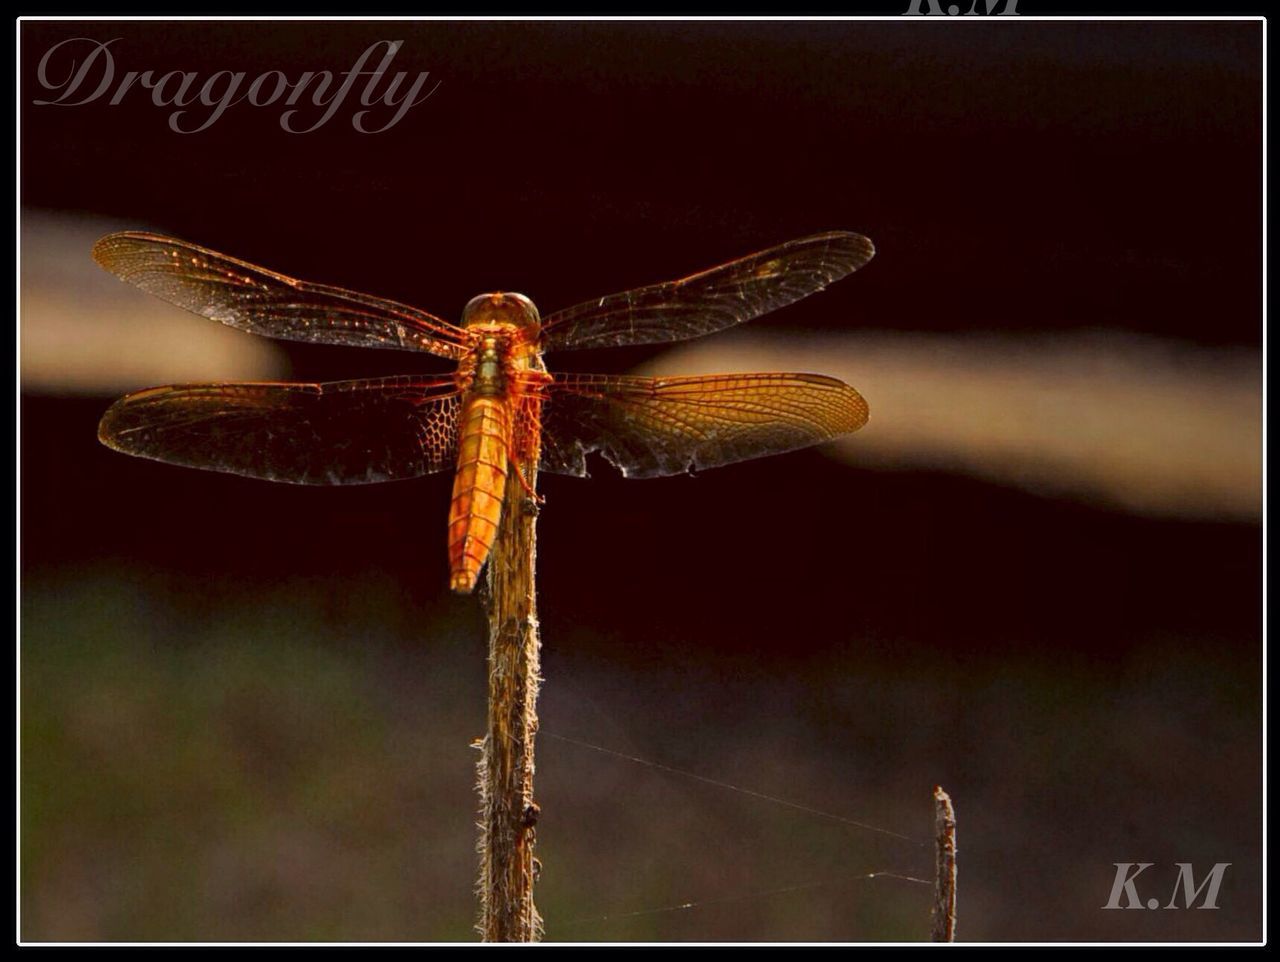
[246,707]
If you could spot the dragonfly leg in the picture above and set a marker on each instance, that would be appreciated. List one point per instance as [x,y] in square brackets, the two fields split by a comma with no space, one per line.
[533,500]
[522,441]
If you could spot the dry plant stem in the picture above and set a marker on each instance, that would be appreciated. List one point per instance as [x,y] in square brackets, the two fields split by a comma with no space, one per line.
[507,810]
[944,892]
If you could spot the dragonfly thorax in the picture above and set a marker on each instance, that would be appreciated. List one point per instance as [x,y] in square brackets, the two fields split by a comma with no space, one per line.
[500,309]
[490,371]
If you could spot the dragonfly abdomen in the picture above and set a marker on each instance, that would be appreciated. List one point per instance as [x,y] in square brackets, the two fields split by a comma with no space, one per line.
[479,487]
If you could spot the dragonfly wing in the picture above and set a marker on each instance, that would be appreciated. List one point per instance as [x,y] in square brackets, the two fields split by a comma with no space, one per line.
[344,432]
[711,300]
[254,299]
[651,427]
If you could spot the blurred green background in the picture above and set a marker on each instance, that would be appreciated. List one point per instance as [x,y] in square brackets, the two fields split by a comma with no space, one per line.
[247,709]
[285,766]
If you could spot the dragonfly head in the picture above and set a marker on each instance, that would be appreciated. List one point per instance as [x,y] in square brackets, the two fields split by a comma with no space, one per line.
[501,309]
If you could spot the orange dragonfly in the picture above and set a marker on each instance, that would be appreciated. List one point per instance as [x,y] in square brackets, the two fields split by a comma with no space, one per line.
[500,407]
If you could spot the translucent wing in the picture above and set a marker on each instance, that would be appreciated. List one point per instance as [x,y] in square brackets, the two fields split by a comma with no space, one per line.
[650,427]
[712,300]
[260,301]
[344,432]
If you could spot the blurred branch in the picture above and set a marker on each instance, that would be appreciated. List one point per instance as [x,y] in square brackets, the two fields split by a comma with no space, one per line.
[1145,424]
[83,332]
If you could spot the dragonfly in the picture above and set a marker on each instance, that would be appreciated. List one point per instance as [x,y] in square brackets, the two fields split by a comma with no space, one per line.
[499,408]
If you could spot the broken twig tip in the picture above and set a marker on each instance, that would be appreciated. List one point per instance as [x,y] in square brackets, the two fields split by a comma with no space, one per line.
[944,891]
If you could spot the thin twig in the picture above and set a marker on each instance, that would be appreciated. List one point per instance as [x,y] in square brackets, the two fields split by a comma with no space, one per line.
[944,891]
[507,809]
